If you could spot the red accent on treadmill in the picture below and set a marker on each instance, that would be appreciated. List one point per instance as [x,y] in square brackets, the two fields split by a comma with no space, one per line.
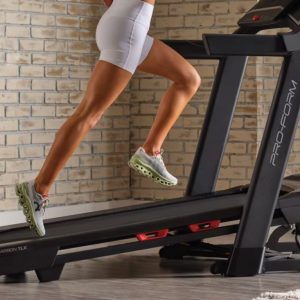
[256,18]
[204,225]
[152,235]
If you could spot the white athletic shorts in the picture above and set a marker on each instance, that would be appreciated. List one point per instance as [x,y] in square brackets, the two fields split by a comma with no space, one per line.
[121,33]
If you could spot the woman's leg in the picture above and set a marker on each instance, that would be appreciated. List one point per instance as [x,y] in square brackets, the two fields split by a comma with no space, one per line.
[101,93]
[105,85]
[162,60]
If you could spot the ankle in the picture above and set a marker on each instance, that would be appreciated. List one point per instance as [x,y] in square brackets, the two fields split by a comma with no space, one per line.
[151,150]
[41,189]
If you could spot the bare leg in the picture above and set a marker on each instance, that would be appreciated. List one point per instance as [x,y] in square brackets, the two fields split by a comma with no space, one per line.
[170,108]
[105,85]
[101,93]
[164,61]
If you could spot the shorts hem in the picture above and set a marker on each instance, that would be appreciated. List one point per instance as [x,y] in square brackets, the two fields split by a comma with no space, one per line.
[117,64]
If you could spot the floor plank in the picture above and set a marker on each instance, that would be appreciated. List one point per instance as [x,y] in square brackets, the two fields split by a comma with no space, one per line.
[143,275]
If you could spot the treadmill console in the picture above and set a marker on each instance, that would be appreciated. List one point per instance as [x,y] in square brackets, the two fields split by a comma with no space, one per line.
[265,12]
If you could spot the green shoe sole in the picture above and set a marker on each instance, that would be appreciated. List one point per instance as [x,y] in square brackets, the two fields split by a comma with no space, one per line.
[146,170]
[24,200]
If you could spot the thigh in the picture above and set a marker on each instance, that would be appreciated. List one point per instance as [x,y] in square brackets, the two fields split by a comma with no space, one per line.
[106,83]
[164,61]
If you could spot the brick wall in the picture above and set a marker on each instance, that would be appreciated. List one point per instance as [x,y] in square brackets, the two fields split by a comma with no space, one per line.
[47,51]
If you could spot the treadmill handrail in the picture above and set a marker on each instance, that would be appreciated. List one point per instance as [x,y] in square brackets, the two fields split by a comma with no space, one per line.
[244,45]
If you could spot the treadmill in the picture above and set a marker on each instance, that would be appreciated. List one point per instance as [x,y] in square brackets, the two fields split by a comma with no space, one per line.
[269,200]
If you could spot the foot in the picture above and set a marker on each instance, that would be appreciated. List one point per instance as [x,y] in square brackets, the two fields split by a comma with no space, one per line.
[152,166]
[33,205]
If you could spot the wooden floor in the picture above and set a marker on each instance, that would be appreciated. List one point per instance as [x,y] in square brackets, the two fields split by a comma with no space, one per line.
[142,275]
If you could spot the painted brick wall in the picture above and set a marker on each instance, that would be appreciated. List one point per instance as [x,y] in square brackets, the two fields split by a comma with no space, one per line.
[47,52]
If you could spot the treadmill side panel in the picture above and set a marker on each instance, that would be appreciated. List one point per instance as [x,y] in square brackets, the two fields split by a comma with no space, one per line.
[17,259]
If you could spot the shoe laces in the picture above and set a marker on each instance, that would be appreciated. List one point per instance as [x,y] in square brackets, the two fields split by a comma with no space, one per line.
[41,204]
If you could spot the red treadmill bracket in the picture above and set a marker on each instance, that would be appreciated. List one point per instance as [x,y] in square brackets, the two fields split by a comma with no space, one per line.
[152,235]
[204,226]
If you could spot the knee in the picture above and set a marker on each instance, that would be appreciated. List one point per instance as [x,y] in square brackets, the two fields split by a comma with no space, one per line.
[88,119]
[92,121]
[190,80]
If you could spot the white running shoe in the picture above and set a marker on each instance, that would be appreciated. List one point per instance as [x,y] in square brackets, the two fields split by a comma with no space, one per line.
[33,205]
[152,166]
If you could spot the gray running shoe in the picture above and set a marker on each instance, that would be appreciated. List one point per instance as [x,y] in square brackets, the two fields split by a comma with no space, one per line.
[33,205]
[152,166]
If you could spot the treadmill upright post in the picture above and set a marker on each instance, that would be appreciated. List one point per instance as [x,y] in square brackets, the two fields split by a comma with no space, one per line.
[215,130]
[248,252]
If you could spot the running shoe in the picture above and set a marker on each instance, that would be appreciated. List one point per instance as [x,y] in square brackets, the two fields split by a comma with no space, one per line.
[33,205]
[152,166]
